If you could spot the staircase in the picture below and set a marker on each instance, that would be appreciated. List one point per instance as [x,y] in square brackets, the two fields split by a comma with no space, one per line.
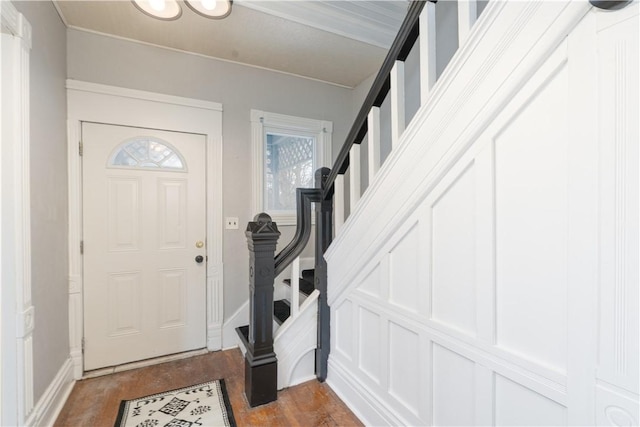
[427,330]
[294,335]
[295,330]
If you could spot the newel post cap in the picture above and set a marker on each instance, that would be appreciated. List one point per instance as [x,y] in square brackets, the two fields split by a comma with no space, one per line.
[262,227]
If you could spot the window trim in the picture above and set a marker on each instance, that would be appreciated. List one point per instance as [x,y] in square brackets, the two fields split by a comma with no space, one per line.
[263,122]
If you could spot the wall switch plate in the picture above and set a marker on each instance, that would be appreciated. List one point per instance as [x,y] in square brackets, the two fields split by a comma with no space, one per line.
[231,223]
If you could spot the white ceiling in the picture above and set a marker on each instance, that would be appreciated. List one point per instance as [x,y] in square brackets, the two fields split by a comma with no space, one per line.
[337,41]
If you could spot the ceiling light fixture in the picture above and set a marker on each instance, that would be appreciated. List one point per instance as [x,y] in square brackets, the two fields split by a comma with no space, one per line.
[167,10]
[215,9]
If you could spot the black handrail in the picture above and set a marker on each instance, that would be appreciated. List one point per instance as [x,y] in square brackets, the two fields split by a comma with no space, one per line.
[304,198]
[404,41]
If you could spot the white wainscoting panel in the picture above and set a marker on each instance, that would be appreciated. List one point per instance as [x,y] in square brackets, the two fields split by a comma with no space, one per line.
[404,364]
[369,356]
[343,337]
[499,285]
[372,283]
[404,271]
[531,177]
[517,405]
[453,248]
[453,388]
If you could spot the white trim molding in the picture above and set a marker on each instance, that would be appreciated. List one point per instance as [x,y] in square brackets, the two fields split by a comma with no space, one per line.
[15,211]
[262,122]
[55,396]
[90,102]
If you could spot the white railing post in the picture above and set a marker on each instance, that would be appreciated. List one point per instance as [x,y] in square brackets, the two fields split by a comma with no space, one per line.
[373,126]
[354,172]
[397,103]
[295,287]
[427,50]
[467,14]
[338,202]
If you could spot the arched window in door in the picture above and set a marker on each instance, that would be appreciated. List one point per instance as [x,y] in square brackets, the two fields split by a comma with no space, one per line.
[147,153]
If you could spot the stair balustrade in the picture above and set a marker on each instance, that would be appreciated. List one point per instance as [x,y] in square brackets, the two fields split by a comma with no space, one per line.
[330,184]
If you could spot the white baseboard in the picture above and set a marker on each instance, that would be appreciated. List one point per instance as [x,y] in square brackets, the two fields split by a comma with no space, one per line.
[365,405]
[239,318]
[55,396]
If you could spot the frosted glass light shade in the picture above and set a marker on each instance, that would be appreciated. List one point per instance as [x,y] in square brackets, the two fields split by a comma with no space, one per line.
[160,9]
[216,9]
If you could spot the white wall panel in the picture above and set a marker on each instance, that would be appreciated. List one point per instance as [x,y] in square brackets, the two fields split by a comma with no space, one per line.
[404,366]
[516,405]
[531,158]
[371,284]
[404,271]
[369,352]
[344,335]
[453,388]
[453,260]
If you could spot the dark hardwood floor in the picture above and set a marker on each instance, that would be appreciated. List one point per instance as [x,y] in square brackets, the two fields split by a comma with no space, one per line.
[95,401]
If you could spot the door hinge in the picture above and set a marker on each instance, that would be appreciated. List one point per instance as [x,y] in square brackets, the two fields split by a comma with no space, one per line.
[80,148]
[81,247]
[83,344]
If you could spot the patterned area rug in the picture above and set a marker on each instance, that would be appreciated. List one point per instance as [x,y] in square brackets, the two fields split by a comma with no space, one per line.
[204,404]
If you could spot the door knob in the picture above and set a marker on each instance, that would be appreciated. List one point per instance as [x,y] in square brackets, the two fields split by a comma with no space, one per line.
[199,259]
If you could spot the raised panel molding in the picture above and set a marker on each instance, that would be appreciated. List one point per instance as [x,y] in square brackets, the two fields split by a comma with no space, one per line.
[172,227]
[372,283]
[124,296]
[532,218]
[124,213]
[404,366]
[404,273]
[454,387]
[453,253]
[173,304]
[516,404]
[369,354]
[343,315]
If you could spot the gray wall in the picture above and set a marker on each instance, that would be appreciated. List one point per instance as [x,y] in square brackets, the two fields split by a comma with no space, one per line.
[49,265]
[100,59]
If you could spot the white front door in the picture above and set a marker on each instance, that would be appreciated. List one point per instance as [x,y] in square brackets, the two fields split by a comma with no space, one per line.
[143,232]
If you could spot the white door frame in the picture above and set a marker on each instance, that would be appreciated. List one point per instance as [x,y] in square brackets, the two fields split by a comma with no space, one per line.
[17,323]
[91,102]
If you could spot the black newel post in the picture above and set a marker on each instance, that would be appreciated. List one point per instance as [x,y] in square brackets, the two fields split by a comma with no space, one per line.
[324,229]
[260,365]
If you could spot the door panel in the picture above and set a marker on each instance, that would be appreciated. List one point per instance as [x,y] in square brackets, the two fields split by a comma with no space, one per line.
[143,212]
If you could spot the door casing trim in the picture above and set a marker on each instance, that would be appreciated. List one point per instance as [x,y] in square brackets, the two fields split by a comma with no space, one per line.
[91,102]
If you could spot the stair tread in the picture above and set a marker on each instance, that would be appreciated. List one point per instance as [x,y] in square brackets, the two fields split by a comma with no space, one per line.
[243,333]
[305,286]
[281,310]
